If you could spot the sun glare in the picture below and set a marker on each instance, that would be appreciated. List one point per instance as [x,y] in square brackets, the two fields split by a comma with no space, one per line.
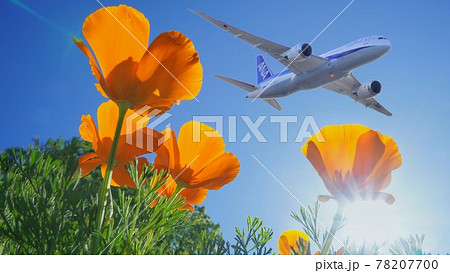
[371,222]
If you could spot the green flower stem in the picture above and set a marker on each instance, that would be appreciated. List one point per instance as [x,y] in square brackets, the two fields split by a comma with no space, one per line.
[337,222]
[105,190]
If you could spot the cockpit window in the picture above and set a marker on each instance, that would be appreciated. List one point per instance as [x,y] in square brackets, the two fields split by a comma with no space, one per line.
[382,38]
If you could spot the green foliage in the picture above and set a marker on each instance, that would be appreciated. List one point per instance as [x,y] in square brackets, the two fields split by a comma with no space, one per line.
[45,210]
[67,151]
[308,219]
[412,245]
[253,240]
[199,235]
[136,227]
[303,247]
[351,248]
[211,244]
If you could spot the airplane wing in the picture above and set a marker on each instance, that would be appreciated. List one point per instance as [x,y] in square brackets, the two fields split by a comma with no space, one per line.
[273,49]
[348,85]
[375,105]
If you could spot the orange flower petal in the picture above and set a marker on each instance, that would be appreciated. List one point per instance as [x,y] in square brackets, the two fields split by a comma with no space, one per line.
[170,68]
[324,198]
[338,150]
[372,158]
[216,174]
[116,34]
[380,177]
[169,187]
[386,197]
[88,162]
[89,133]
[199,144]
[168,155]
[313,154]
[120,176]
[369,150]
[102,87]
[341,251]
[289,238]
[194,196]
[199,162]
[188,207]
[144,141]
[165,73]
[107,115]
[122,80]
[87,129]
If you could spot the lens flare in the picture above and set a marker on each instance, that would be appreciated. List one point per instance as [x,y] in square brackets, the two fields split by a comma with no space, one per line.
[372,222]
[40,17]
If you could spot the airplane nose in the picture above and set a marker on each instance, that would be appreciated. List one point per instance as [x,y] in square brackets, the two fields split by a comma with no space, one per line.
[386,46]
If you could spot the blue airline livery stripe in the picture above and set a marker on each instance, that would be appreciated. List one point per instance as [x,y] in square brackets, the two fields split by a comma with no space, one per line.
[344,53]
[334,56]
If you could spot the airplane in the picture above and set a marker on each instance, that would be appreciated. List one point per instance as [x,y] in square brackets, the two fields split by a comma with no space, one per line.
[305,71]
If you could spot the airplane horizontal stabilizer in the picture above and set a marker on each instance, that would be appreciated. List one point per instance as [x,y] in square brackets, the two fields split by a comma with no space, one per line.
[249,88]
[274,103]
[242,85]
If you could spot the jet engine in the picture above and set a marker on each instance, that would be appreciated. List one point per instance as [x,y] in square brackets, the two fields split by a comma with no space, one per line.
[304,50]
[368,90]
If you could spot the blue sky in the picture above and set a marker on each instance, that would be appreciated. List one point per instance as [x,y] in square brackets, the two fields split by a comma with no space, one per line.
[47,85]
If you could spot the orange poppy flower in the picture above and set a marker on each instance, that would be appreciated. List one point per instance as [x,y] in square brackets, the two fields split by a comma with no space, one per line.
[198,158]
[167,72]
[192,196]
[291,239]
[354,162]
[101,139]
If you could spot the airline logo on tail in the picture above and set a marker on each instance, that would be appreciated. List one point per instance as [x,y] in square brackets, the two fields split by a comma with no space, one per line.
[263,70]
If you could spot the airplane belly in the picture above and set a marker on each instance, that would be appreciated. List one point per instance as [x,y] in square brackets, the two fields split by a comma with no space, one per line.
[320,76]
[278,89]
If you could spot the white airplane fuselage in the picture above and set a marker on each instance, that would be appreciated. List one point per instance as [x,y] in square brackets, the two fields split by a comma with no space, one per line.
[341,61]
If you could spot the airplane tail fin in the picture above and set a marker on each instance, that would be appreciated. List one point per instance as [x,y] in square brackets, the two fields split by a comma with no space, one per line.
[263,70]
[250,88]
